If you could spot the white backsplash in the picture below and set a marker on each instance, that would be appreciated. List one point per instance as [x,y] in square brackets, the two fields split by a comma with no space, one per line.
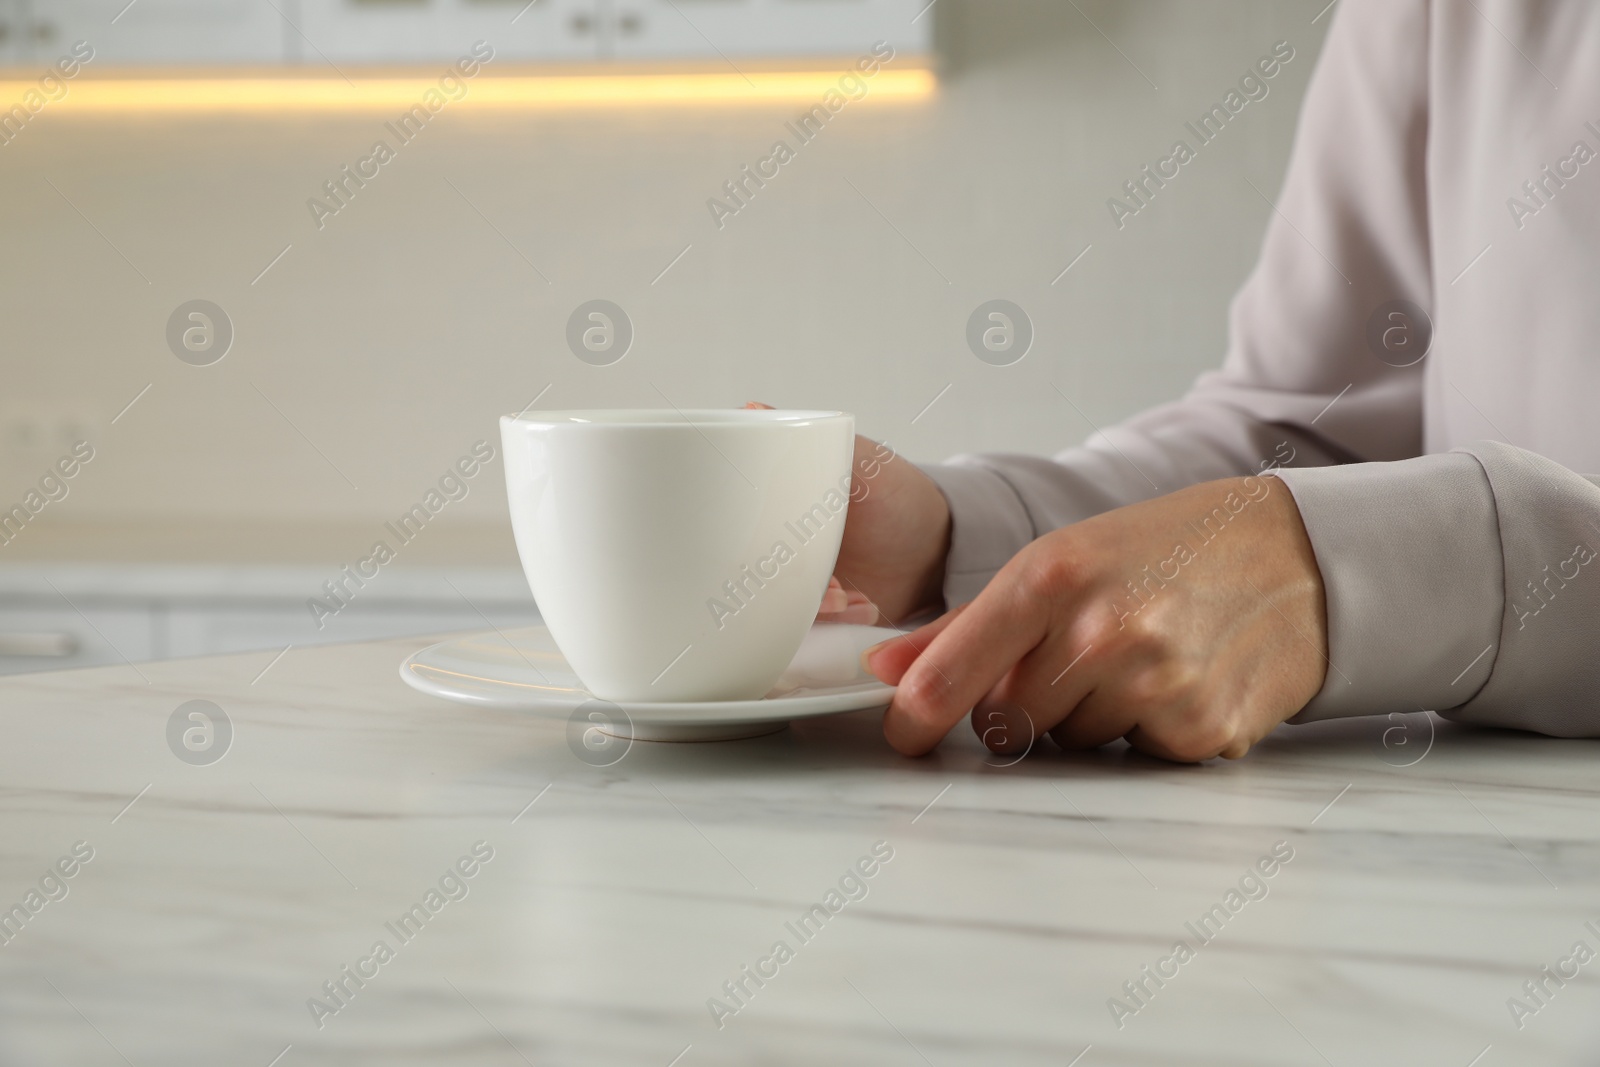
[380,348]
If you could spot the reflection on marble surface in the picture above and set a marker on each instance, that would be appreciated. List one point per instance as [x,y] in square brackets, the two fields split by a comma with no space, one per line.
[608,910]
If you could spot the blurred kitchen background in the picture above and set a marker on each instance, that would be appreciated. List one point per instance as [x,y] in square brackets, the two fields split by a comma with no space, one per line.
[370,354]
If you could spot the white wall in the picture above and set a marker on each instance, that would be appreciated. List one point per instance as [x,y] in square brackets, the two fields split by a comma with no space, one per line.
[394,336]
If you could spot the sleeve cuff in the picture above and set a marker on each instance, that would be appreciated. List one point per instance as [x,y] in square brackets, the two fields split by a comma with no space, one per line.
[1411,564]
[988,525]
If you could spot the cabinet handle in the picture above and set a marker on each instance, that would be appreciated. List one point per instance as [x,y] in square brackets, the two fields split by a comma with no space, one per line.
[582,24]
[630,24]
[44,31]
[56,646]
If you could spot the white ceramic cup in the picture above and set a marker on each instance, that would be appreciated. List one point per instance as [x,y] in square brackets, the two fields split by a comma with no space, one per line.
[678,556]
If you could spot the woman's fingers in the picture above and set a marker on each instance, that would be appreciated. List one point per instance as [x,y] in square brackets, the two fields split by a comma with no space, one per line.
[1187,659]
[846,605]
[1043,689]
[1099,719]
[890,659]
[972,652]
[858,609]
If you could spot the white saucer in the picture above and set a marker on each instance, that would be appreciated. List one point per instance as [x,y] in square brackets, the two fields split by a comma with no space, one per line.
[524,671]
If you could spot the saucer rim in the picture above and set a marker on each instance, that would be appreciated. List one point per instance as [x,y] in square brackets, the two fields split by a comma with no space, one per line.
[859,696]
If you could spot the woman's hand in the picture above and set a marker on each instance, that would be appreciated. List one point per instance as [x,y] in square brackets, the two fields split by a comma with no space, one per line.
[1192,625]
[896,537]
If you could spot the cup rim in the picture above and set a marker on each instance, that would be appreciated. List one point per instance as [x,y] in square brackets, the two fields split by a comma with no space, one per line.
[664,418]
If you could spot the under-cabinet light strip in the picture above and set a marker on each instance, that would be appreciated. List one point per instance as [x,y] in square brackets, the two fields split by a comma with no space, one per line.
[268,94]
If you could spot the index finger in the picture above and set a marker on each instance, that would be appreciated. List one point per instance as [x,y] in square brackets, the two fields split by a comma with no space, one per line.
[966,660]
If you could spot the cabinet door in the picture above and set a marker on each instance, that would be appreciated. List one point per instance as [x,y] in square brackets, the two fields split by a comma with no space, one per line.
[51,639]
[441,31]
[200,33]
[11,30]
[730,29]
[31,39]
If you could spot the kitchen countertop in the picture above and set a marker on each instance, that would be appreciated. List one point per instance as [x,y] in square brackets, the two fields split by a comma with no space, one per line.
[1420,874]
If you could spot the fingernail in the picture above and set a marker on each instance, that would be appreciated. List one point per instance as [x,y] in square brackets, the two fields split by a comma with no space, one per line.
[866,656]
[834,600]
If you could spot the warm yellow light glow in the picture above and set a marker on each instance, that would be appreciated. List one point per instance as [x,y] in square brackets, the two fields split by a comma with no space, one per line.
[270,94]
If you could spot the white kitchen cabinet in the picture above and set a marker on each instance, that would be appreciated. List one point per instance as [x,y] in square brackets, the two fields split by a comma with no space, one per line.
[442,31]
[28,37]
[46,638]
[375,31]
[12,31]
[199,33]
[731,29]
[355,34]
[139,613]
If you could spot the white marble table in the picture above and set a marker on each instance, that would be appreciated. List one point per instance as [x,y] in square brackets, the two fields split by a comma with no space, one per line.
[220,898]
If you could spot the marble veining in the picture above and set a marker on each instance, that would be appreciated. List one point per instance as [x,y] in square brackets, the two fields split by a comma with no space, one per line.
[223,898]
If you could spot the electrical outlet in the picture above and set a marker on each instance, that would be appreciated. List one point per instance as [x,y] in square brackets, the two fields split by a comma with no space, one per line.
[37,432]
[21,433]
[74,426]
